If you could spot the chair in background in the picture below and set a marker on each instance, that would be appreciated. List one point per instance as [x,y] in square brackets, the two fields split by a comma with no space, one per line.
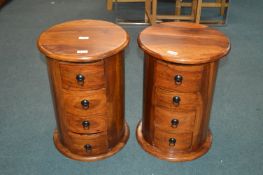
[221,4]
[151,12]
[110,2]
[193,15]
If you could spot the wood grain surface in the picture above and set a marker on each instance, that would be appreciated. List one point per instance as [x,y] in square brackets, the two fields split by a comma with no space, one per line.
[83,40]
[93,75]
[148,99]
[97,124]
[164,117]
[76,142]
[180,68]
[86,70]
[191,77]
[96,98]
[168,155]
[107,133]
[115,92]
[89,158]
[164,98]
[183,141]
[193,112]
[186,43]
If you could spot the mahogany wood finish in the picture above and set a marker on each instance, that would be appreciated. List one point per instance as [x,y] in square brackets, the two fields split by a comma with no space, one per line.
[86,125]
[179,77]
[184,43]
[84,40]
[93,73]
[86,71]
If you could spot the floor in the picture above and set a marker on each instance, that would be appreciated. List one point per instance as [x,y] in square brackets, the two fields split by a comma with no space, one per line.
[27,117]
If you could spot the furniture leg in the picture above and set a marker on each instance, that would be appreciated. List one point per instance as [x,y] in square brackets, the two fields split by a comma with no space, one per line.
[109,5]
[178,7]
[198,11]
[154,11]
[223,6]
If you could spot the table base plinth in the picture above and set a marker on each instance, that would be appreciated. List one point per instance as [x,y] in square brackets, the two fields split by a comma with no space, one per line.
[176,157]
[65,151]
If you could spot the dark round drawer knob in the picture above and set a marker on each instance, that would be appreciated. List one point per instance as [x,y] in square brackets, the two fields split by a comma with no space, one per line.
[176,100]
[174,123]
[178,79]
[172,141]
[86,124]
[85,104]
[87,147]
[80,79]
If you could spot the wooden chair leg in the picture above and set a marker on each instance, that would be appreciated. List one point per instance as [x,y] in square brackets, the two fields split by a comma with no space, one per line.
[223,5]
[178,7]
[154,11]
[109,4]
[148,13]
[198,11]
[194,9]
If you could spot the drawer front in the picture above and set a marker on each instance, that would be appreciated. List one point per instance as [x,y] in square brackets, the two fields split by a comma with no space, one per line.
[87,144]
[85,124]
[182,121]
[176,100]
[85,103]
[172,142]
[87,76]
[182,78]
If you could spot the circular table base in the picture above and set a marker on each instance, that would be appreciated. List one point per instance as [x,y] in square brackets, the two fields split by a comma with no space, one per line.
[65,151]
[178,157]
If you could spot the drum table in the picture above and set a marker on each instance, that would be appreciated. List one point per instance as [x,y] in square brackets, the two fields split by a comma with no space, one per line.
[86,70]
[180,69]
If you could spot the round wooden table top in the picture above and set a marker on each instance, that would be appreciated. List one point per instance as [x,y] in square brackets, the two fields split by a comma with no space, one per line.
[186,43]
[83,40]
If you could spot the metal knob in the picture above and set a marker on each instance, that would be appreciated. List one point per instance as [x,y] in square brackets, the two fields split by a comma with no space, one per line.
[87,147]
[172,141]
[176,100]
[85,104]
[86,124]
[174,123]
[178,79]
[80,79]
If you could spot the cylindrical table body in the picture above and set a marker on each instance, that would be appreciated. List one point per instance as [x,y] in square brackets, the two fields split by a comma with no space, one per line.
[85,61]
[180,68]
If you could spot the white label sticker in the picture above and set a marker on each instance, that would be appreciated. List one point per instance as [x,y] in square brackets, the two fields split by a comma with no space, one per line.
[83,37]
[82,51]
[172,52]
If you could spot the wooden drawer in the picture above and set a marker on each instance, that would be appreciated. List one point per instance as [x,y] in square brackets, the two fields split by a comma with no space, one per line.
[164,98]
[162,141]
[96,100]
[166,73]
[182,121]
[85,124]
[92,76]
[78,143]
